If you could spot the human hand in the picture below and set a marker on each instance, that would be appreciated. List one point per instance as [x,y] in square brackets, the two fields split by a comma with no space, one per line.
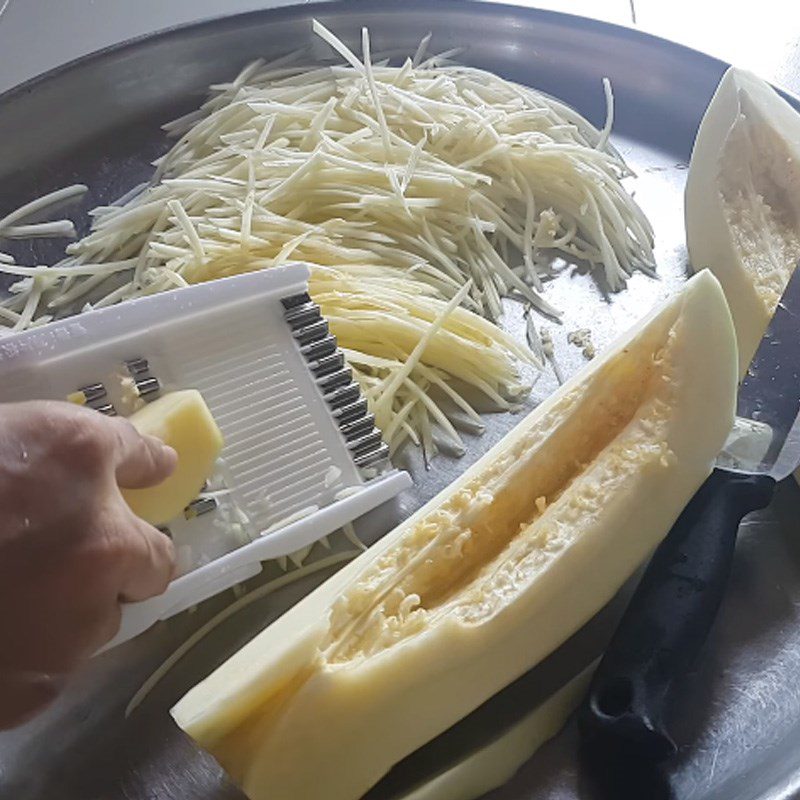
[70,548]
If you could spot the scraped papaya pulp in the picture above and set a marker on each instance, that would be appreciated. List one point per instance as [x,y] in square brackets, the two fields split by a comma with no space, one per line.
[489,577]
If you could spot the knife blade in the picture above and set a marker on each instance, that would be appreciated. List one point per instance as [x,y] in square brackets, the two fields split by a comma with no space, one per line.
[501,713]
[674,606]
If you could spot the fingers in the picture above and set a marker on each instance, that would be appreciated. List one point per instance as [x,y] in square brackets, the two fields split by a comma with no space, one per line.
[25,694]
[70,547]
[151,562]
[141,461]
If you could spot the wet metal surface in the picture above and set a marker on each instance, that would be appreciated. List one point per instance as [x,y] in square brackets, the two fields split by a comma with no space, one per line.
[98,123]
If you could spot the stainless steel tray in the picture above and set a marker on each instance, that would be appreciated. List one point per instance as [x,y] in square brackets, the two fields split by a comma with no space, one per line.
[97,121]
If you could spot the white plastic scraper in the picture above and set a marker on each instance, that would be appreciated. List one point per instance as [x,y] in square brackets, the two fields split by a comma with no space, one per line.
[302,456]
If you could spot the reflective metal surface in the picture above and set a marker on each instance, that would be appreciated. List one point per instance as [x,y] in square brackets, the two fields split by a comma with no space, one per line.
[98,122]
[770,392]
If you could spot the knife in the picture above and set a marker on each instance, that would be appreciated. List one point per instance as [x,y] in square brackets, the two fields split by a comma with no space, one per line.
[674,606]
[491,721]
[764,446]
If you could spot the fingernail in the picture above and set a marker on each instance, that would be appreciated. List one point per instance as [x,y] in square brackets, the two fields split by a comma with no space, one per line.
[162,447]
[166,455]
[170,455]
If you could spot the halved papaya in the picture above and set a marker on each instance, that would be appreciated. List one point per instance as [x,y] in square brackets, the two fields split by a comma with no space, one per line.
[488,578]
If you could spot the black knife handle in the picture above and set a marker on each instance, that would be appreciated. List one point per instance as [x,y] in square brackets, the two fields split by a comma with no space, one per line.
[669,617]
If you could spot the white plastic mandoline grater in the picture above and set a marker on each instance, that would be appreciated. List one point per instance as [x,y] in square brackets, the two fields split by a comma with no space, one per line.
[302,456]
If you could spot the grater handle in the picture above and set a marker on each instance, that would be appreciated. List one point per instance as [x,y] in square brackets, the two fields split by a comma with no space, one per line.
[239,565]
[138,617]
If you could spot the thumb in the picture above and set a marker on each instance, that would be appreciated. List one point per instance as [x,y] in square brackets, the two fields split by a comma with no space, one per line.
[141,460]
